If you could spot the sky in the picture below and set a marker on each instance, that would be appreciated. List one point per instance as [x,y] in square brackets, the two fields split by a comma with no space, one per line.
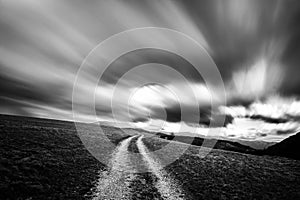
[254,44]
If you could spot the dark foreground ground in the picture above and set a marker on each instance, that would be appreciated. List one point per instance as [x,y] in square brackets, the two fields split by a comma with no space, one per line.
[230,175]
[45,159]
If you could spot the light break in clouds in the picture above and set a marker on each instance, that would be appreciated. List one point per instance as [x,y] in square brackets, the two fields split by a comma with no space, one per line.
[254,43]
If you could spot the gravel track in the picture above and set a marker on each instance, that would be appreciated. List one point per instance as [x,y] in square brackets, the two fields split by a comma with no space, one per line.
[120,181]
[115,183]
[166,186]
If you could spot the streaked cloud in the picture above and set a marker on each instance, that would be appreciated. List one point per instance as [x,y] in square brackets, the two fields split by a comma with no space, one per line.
[254,43]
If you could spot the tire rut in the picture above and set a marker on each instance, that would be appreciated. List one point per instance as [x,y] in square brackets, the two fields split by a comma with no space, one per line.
[166,186]
[115,183]
[123,180]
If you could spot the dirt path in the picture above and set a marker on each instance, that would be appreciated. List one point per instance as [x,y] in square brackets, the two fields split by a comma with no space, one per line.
[114,184]
[165,185]
[119,181]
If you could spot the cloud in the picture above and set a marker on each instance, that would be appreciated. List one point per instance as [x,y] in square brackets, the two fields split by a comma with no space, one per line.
[261,79]
[274,107]
[278,106]
[173,102]
[254,44]
[269,119]
[276,115]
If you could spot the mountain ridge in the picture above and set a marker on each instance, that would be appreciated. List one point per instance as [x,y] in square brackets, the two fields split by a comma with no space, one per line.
[289,147]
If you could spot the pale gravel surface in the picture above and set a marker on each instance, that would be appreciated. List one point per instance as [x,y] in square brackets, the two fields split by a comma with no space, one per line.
[118,181]
[114,184]
[165,185]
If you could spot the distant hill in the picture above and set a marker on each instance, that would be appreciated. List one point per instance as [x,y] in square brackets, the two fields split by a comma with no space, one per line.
[255,144]
[219,144]
[289,147]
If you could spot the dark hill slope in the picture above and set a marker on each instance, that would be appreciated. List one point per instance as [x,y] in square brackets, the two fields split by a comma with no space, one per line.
[216,144]
[289,147]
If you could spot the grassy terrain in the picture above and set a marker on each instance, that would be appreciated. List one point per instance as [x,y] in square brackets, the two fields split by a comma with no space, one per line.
[229,175]
[45,159]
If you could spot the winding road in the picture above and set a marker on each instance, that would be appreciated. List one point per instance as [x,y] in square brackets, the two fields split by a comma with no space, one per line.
[122,180]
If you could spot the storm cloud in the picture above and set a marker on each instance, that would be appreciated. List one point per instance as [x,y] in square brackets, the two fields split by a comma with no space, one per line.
[255,45]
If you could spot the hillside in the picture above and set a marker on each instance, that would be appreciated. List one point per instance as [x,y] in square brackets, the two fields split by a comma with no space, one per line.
[45,159]
[218,144]
[289,147]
